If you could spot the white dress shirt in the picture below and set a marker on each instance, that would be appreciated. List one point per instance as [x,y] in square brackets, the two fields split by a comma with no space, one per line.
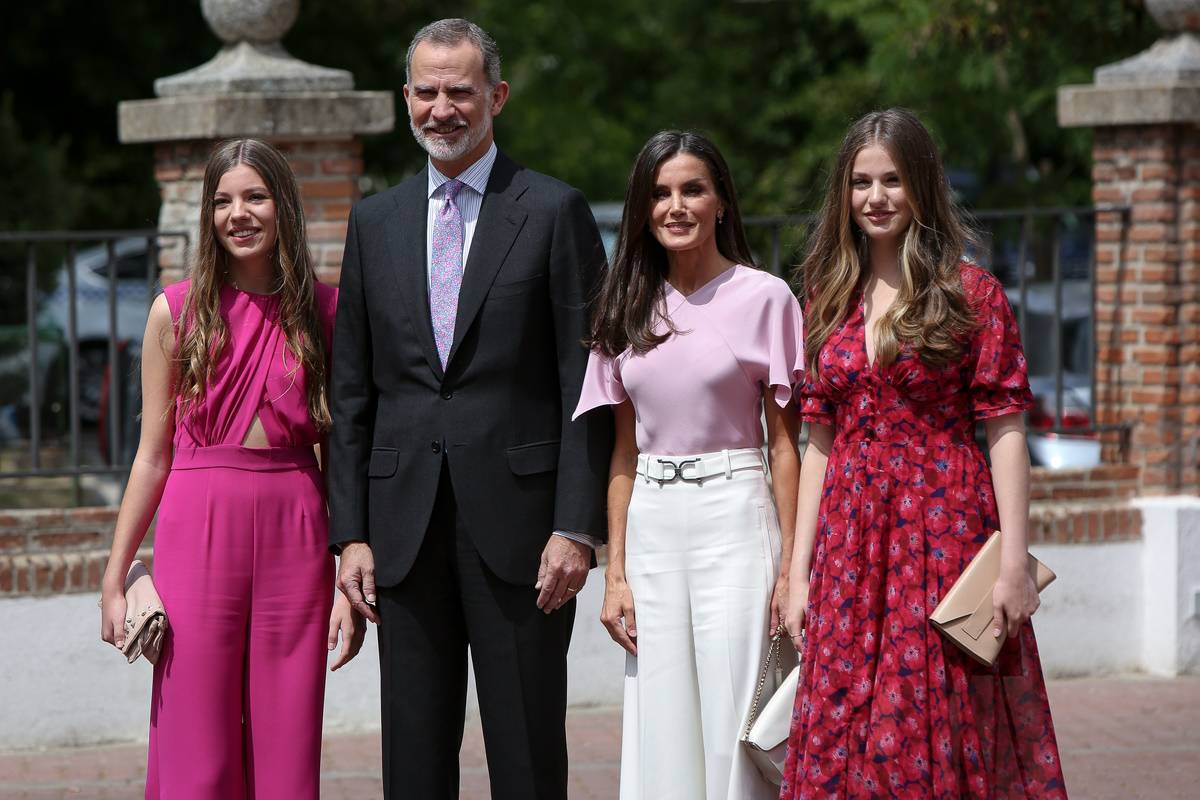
[469,200]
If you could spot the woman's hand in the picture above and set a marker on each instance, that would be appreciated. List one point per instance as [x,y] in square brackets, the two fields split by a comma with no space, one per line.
[793,618]
[779,603]
[349,623]
[618,615]
[1014,599]
[112,616]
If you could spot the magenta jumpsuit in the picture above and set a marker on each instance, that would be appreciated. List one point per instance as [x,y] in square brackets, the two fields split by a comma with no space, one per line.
[242,563]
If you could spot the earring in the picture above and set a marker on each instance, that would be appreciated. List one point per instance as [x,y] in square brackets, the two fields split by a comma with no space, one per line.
[720,217]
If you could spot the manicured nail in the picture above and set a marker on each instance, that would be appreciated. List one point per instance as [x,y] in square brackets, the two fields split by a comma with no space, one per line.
[537,585]
[371,599]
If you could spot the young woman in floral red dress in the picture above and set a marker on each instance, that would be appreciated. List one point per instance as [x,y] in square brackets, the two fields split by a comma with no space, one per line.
[909,345]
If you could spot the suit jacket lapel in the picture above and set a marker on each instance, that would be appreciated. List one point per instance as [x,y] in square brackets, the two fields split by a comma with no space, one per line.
[500,220]
[406,246]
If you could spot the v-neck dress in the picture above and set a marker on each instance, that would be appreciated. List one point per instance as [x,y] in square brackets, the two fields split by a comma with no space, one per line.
[887,708]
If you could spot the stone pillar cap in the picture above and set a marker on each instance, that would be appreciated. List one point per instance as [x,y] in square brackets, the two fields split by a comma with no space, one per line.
[254,67]
[293,115]
[1167,61]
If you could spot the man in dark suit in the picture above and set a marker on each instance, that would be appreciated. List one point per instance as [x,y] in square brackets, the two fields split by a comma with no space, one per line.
[465,503]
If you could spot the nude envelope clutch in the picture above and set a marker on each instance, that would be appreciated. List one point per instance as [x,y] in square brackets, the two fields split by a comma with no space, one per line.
[146,623]
[965,614]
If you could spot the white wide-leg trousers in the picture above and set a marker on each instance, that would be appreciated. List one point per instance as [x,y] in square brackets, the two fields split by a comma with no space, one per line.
[701,560]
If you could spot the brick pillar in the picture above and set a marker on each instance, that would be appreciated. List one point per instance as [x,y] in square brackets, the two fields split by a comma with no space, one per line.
[327,170]
[1146,297]
[1146,170]
[253,88]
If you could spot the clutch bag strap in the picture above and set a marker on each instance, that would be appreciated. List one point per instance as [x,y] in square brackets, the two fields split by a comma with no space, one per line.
[772,657]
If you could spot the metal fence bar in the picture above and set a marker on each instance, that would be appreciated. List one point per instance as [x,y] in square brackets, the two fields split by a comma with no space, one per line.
[35,394]
[1056,328]
[151,270]
[113,418]
[1022,289]
[73,365]
[62,237]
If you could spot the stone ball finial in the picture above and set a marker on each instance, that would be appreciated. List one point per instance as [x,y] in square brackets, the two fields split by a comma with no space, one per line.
[262,21]
[1175,16]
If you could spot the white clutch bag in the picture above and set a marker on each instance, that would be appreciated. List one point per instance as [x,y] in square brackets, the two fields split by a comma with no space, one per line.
[766,733]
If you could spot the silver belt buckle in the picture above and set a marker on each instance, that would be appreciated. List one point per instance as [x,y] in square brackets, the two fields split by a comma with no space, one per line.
[677,470]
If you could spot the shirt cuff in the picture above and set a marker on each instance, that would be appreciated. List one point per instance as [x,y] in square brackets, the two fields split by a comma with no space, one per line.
[582,538]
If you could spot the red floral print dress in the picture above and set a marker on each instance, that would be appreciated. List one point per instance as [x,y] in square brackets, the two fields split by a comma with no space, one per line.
[887,708]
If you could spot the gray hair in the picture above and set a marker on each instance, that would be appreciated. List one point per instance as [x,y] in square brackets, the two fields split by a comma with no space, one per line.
[449,32]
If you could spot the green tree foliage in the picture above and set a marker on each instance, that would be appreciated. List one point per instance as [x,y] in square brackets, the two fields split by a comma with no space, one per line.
[775,82]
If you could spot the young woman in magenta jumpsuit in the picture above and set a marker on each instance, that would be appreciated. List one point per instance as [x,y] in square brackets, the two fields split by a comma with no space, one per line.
[693,346]
[908,347]
[233,373]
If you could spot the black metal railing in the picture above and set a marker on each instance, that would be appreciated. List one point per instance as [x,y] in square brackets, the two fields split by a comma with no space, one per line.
[1045,257]
[91,352]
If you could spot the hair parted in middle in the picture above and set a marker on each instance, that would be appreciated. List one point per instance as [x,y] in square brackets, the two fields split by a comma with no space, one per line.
[931,313]
[630,306]
[202,331]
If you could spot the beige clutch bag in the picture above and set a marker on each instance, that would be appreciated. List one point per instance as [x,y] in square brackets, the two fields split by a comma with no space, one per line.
[145,617]
[965,614]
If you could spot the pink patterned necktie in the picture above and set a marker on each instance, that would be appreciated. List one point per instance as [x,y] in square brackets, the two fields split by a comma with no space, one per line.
[446,269]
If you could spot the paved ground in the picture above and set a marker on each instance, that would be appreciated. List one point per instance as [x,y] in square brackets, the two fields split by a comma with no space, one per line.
[1121,739]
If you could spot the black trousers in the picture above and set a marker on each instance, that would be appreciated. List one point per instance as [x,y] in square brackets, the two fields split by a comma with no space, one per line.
[450,600]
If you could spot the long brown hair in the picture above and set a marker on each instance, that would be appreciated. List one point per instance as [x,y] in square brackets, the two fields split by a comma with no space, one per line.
[631,298]
[203,332]
[931,313]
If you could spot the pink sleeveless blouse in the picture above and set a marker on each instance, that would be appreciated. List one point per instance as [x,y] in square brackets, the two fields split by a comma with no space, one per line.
[255,375]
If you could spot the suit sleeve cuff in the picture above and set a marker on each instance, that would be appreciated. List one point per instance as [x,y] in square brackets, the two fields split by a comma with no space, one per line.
[582,538]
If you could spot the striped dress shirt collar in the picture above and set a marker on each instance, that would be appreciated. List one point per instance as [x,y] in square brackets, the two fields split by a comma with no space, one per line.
[475,176]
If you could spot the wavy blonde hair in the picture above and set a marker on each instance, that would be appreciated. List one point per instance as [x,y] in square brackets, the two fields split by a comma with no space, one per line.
[203,334]
[931,313]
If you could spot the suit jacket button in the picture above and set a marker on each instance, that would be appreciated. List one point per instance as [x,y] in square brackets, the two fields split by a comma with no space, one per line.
[447,395]
[436,447]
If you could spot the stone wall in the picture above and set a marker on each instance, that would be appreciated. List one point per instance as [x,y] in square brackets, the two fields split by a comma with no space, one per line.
[50,551]
[57,551]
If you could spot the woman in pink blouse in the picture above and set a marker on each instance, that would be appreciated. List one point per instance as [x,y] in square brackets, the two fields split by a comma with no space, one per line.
[693,346]
[234,370]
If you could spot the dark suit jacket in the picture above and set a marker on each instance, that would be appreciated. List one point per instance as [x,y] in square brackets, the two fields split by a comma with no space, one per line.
[500,414]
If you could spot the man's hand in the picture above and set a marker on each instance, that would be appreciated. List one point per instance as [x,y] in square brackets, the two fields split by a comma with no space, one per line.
[563,571]
[356,579]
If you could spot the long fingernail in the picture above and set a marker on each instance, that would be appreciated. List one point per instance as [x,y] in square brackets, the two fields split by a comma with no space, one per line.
[537,585]
[371,599]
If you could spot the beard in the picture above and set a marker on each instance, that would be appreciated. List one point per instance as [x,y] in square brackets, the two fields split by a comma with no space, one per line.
[450,151]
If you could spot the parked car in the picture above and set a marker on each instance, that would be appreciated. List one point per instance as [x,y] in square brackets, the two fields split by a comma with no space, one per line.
[1048,447]
[96,376]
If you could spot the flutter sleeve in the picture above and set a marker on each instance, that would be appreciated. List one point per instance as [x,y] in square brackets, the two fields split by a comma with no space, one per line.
[601,384]
[783,339]
[1000,378]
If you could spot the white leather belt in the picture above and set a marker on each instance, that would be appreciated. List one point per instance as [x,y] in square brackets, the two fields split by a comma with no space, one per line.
[695,469]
